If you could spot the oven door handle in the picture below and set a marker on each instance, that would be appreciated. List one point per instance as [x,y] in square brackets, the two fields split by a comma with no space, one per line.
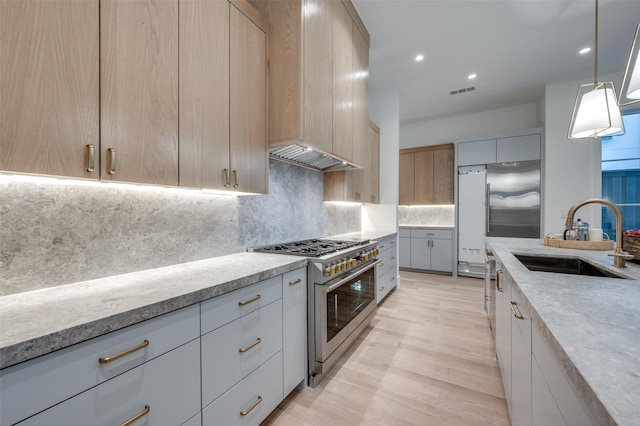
[332,287]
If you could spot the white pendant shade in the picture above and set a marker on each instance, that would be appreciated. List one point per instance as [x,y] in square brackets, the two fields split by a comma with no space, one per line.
[596,114]
[634,82]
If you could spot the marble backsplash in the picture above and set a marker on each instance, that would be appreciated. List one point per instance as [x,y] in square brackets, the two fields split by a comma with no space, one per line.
[427,215]
[59,232]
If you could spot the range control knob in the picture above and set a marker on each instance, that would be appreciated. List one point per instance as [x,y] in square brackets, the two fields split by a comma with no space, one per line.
[353,263]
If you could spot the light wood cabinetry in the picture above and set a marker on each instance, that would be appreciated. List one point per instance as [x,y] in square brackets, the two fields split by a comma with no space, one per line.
[223,96]
[427,175]
[50,94]
[204,93]
[318,86]
[361,185]
[248,103]
[139,91]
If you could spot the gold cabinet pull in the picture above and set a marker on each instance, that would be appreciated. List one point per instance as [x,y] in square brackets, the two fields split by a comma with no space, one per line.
[246,302]
[111,158]
[235,175]
[513,309]
[498,273]
[227,178]
[299,280]
[91,157]
[254,405]
[138,416]
[108,359]
[253,345]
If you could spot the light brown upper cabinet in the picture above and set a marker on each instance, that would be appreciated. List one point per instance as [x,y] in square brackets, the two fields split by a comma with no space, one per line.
[361,185]
[248,103]
[311,81]
[50,94]
[139,86]
[223,96]
[426,175]
[204,94]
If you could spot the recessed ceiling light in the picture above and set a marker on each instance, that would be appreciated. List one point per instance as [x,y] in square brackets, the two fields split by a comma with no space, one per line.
[585,50]
[419,58]
[472,76]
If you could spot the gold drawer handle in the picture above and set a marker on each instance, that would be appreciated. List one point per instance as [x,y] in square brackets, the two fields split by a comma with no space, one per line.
[235,174]
[299,280]
[498,273]
[513,309]
[227,178]
[108,359]
[137,417]
[254,344]
[254,405]
[253,299]
[111,165]
[381,288]
[91,157]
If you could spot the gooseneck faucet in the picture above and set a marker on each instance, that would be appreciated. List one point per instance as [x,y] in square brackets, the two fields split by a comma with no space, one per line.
[618,254]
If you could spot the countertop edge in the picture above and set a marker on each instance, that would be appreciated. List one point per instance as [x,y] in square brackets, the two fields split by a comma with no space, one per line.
[16,353]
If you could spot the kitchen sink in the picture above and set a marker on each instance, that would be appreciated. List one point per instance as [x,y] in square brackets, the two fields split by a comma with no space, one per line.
[564,265]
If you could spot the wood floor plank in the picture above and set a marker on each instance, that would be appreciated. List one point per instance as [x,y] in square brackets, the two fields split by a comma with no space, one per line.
[427,359]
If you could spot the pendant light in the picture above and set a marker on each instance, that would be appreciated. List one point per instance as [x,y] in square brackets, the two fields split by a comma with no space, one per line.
[595,112]
[630,90]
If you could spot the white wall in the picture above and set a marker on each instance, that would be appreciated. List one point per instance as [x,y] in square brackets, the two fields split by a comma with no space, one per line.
[384,110]
[572,169]
[445,130]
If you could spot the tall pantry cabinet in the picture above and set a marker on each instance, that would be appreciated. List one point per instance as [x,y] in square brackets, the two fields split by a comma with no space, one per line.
[50,95]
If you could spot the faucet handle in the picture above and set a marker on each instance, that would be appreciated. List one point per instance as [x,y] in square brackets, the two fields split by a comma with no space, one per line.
[622,254]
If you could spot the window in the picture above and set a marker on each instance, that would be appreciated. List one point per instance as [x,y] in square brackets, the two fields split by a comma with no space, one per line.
[621,176]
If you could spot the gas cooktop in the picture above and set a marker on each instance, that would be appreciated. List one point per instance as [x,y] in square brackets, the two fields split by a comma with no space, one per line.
[310,248]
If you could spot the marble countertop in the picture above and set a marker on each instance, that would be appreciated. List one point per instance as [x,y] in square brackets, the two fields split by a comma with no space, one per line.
[428,226]
[362,235]
[592,325]
[37,322]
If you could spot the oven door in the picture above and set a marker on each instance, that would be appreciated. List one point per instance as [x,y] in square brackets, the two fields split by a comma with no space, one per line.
[341,306]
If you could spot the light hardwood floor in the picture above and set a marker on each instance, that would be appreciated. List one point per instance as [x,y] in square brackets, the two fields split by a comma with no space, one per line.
[428,359]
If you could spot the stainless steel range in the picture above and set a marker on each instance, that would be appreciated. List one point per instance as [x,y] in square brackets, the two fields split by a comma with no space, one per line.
[341,280]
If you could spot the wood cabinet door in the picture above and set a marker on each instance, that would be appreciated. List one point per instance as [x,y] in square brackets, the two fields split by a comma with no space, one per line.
[374,144]
[139,90]
[248,105]
[204,93]
[342,81]
[443,174]
[360,103]
[423,177]
[49,80]
[407,179]
[318,73]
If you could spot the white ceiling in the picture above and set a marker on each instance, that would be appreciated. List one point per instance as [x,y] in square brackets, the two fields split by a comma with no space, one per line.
[515,47]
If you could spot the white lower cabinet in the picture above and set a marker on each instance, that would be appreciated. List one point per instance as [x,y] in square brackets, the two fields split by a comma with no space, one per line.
[231,352]
[194,421]
[387,269]
[163,391]
[544,410]
[294,328]
[251,400]
[520,361]
[503,330]
[427,249]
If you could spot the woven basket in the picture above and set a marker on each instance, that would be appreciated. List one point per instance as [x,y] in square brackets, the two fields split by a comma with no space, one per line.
[553,241]
[631,244]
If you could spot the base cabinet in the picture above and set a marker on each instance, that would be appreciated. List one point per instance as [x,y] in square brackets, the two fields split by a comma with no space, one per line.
[503,330]
[427,249]
[165,390]
[387,270]
[544,410]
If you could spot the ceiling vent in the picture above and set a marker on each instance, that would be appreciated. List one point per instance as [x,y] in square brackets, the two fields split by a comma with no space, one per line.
[464,90]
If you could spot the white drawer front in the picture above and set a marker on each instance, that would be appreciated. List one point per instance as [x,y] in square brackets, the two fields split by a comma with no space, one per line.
[443,234]
[386,283]
[35,385]
[264,383]
[404,232]
[169,385]
[223,309]
[387,243]
[223,365]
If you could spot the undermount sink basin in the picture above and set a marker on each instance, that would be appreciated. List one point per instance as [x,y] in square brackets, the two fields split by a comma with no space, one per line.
[564,265]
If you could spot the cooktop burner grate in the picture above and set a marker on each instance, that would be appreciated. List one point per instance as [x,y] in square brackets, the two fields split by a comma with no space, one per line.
[310,248]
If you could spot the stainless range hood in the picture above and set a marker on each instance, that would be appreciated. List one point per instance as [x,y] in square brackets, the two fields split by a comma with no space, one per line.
[304,155]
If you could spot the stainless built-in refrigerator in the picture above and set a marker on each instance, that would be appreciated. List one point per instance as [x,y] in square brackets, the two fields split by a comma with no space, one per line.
[495,200]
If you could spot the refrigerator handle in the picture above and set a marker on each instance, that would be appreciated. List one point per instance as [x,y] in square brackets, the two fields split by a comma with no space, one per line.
[488,209]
